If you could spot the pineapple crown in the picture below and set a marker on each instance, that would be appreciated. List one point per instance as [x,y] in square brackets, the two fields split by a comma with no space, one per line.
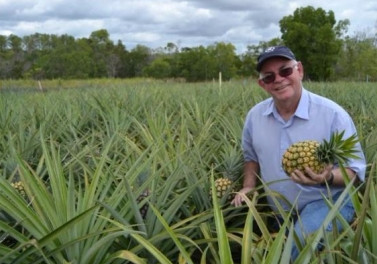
[337,149]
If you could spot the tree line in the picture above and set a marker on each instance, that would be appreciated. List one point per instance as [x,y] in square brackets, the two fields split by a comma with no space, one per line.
[317,39]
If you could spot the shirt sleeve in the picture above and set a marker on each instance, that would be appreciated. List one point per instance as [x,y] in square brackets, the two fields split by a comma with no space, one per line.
[247,146]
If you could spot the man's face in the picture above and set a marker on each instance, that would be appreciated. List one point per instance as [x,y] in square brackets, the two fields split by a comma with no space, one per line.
[281,78]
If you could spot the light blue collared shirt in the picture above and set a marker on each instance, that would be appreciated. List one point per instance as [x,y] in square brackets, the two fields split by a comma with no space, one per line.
[266,136]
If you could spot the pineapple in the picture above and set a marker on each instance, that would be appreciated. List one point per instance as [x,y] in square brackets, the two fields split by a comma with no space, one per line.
[144,208]
[224,187]
[19,186]
[141,179]
[228,166]
[317,155]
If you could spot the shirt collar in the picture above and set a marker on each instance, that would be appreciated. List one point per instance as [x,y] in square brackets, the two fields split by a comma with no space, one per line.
[302,110]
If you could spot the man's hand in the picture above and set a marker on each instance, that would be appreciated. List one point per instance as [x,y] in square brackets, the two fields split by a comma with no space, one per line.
[310,177]
[239,199]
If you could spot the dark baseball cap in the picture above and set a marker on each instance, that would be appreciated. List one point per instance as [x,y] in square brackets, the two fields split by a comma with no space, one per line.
[274,51]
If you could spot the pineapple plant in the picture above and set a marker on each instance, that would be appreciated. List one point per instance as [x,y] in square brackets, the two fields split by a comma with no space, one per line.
[229,167]
[316,156]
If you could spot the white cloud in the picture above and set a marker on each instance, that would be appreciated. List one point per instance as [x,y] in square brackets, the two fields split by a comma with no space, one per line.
[156,22]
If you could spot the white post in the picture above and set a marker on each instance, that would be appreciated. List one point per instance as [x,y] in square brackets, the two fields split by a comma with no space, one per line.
[220,80]
[40,86]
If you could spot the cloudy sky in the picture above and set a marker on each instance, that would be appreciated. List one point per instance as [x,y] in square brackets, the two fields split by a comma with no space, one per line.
[154,23]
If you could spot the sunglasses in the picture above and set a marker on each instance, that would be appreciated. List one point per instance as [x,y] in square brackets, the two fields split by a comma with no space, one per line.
[283,72]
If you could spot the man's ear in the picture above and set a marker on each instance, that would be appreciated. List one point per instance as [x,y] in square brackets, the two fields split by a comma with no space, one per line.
[261,83]
[300,69]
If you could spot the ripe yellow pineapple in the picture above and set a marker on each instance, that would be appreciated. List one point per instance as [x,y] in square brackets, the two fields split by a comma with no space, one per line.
[224,187]
[317,155]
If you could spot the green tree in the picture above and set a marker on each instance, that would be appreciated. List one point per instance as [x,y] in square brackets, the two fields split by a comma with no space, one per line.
[197,64]
[115,67]
[54,61]
[171,48]
[159,68]
[314,37]
[3,44]
[33,51]
[102,49]
[15,59]
[86,58]
[224,57]
[358,59]
[3,55]
[69,58]
[172,57]
[123,55]
[138,58]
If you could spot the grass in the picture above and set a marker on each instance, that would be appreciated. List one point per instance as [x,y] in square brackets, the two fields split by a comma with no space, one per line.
[87,149]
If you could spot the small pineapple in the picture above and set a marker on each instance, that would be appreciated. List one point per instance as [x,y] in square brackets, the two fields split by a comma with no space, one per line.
[316,156]
[224,187]
[19,186]
[144,208]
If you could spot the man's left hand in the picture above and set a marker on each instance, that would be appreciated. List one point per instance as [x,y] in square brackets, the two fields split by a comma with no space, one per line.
[310,177]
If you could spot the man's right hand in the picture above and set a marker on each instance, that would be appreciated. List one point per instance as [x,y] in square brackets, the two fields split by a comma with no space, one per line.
[239,198]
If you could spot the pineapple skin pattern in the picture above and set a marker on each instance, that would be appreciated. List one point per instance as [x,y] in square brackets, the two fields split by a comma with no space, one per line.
[300,155]
[310,153]
[223,187]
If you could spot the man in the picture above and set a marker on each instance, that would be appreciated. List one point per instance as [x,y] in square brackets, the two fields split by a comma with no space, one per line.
[294,114]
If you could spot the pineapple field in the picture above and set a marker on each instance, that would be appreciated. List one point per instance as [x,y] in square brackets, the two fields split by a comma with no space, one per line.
[143,171]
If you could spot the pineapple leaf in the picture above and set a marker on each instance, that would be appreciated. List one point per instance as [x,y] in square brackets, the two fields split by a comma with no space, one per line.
[337,149]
